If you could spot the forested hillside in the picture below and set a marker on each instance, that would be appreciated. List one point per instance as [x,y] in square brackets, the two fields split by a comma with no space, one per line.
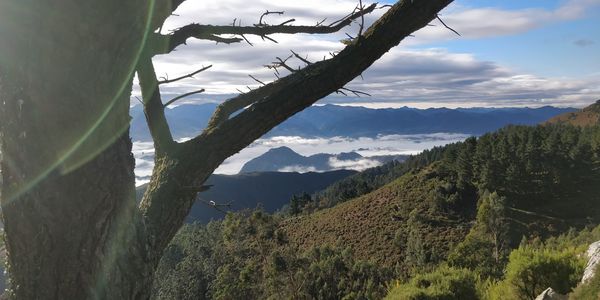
[457,212]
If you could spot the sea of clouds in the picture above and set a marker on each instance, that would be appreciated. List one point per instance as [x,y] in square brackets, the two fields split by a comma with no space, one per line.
[382,145]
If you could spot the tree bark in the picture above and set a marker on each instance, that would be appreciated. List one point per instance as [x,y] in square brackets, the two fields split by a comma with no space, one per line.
[73,230]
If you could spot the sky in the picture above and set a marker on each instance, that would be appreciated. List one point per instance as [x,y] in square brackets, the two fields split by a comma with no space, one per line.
[510,53]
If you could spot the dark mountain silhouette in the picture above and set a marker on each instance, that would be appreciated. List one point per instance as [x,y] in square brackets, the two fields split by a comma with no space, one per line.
[271,190]
[282,158]
[333,120]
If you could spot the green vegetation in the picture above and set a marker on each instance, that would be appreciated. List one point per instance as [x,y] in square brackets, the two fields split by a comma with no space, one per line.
[443,283]
[504,216]
[485,248]
[530,271]
[246,256]
[364,182]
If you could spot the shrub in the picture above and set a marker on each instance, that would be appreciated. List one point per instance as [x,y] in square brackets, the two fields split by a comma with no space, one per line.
[530,271]
[444,283]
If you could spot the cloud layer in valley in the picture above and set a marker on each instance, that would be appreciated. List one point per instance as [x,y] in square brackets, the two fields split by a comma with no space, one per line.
[382,145]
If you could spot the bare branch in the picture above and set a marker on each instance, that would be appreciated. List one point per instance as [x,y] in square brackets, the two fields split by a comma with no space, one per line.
[256,79]
[287,22]
[304,60]
[167,81]
[227,108]
[210,32]
[260,21]
[153,107]
[448,27]
[362,19]
[357,93]
[292,93]
[183,96]
[245,39]
[269,38]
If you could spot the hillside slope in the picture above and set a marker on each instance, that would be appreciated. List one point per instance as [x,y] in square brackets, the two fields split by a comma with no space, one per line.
[379,225]
[588,116]
[549,176]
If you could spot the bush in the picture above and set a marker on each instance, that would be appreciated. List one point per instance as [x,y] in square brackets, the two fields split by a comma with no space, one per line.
[333,273]
[444,283]
[474,253]
[530,271]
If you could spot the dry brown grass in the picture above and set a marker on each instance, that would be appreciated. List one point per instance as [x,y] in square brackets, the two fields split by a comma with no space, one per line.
[588,116]
[371,223]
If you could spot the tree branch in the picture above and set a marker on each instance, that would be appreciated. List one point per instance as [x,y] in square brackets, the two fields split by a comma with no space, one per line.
[183,96]
[167,81]
[153,107]
[271,104]
[162,10]
[227,108]
[166,204]
[212,32]
[447,27]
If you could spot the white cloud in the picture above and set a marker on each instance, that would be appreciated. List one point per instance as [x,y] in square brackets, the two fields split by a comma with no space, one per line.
[357,165]
[382,145]
[406,75]
[475,23]
[298,169]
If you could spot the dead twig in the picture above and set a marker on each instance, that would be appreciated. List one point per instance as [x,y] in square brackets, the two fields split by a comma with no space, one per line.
[448,27]
[304,60]
[256,79]
[260,21]
[183,96]
[167,81]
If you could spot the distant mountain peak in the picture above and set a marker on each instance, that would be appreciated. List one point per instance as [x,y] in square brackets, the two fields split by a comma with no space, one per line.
[284,159]
[282,149]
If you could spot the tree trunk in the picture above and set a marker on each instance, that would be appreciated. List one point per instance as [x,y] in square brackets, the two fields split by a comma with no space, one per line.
[72,227]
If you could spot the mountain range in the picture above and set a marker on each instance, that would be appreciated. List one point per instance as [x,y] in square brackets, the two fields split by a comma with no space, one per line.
[333,120]
[284,159]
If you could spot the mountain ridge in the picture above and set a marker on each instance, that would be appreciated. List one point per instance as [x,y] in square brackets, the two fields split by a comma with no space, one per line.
[284,159]
[333,120]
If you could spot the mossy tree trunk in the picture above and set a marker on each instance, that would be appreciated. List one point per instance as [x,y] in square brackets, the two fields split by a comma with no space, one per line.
[73,230]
